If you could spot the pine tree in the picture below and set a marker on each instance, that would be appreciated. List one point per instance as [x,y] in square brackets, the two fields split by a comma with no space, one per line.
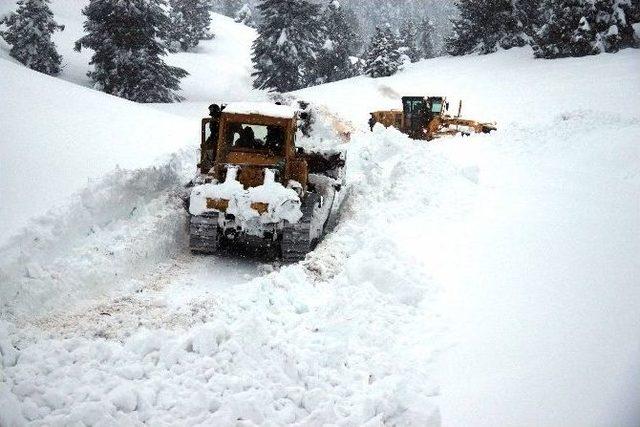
[483,26]
[245,16]
[585,27]
[290,36]
[408,40]
[566,30]
[125,36]
[189,22]
[426,34]
[383,58]
[334,62]
[230,7]
[613,22]
[528,13]
[29,31]
[357,42]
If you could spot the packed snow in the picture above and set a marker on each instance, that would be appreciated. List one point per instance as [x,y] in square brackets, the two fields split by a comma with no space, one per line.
[488,280]
[261,108]
[283,204]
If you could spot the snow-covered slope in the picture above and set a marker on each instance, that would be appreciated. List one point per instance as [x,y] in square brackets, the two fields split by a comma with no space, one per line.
[220,69]
[538,254]
[518,247]
[56,136]
[79,134]
[509,87]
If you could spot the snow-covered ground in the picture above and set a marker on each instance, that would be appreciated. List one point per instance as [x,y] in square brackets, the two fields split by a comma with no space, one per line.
[538,254]
[489,280]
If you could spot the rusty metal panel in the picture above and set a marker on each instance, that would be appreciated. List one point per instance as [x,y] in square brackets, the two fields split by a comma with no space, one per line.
[218,204]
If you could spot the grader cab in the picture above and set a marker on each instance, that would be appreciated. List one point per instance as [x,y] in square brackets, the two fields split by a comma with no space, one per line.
[256,187]
[427,118]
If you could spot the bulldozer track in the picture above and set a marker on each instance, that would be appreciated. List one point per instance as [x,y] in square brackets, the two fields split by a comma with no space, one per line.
[296,238]
[204,236]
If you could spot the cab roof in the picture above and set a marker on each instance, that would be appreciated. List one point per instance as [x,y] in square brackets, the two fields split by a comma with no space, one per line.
[261,108]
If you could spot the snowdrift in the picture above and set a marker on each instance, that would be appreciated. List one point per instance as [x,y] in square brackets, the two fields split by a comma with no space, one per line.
[56,136]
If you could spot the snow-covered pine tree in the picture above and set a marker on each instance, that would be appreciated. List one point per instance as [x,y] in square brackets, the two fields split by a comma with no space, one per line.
[334,62]
[528,13]
[229,7]
[408,40]
[483,26]
[290,37]
[189,22]
[613,22]
[245,16]
[426,35]
[356,29]
[28,31]
[382,58]
[566,31]
[125,36]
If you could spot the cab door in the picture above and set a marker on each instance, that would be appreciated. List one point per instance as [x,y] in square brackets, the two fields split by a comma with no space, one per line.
[415,115]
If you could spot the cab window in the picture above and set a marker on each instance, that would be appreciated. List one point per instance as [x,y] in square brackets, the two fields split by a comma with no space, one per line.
[414,106]
[256,137]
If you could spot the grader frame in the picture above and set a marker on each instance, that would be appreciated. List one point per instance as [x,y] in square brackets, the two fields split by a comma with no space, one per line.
[427,118]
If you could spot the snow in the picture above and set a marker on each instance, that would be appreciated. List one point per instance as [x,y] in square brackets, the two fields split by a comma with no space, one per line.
[283,203]
[261,108]
[488,280]
[56,136]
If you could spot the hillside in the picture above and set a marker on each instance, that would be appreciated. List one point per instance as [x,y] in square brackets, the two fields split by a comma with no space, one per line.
[488,280]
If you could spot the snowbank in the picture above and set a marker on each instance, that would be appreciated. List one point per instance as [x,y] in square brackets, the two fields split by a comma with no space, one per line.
[261,108]
[56,136]
[283,204]
[105,239]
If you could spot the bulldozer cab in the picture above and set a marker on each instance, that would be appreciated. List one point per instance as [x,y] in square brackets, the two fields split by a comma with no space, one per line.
[252,138]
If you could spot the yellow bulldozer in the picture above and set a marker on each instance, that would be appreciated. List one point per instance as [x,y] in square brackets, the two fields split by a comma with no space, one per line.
[255,187]
[427,118]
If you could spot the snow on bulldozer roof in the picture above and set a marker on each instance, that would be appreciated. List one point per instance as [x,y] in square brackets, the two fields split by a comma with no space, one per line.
[261,108]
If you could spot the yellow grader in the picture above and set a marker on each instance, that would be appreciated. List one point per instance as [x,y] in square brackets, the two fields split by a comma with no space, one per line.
[427,118]
[255,187]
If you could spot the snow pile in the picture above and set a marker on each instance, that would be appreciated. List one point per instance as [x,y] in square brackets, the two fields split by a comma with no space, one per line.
[56,136]
[109,235]
[261,108]
[280,351]
[220,191]
[282,203]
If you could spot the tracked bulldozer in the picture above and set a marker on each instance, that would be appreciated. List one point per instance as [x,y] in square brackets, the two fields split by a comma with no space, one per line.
[254,187]
[427,118]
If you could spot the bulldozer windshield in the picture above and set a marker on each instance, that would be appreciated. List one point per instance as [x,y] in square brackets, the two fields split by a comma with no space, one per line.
[242,136]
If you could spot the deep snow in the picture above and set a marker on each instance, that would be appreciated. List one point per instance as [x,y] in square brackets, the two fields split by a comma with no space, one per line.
[497,272]
[538,258]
